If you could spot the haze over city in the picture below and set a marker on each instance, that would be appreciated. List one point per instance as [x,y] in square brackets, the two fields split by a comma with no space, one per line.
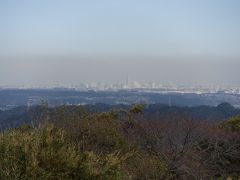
[71,42]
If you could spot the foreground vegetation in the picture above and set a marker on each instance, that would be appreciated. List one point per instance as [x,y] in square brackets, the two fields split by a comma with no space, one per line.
[72,143]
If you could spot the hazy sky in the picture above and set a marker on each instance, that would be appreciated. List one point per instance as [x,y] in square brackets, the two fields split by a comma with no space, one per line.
[72,41]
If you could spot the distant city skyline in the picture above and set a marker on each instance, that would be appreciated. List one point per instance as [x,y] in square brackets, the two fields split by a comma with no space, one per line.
[43,43]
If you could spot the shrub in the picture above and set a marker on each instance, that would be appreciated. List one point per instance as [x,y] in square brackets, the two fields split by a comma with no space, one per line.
[45,153]
[233,124]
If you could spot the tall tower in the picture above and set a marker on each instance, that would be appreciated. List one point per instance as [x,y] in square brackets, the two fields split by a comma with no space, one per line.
[29,105]
[128,81]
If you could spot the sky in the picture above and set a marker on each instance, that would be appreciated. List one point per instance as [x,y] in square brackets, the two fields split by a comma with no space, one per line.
[67,42]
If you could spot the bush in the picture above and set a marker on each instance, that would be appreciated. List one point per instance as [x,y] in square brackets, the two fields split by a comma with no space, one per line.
[41,153]
[233,124]
[99,133]
[44,153]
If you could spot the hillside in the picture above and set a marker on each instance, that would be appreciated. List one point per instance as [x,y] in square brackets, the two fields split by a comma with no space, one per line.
[73,143]
[19,115]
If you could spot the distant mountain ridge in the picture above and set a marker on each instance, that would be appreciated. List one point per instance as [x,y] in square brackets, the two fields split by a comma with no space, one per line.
[211,113]
[22,114]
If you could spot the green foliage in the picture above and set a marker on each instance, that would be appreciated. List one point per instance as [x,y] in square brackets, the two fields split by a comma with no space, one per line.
[101,133]
[148,166]
[45,153]
[137,109]
[41,153]
[233,124]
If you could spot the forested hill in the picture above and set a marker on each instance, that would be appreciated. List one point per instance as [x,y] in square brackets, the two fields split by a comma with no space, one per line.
[74,142]
[20,115]
[221,112]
